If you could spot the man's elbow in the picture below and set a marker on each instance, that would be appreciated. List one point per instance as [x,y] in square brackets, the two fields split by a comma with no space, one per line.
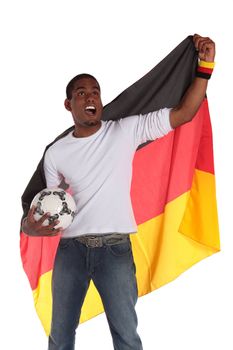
[180,116]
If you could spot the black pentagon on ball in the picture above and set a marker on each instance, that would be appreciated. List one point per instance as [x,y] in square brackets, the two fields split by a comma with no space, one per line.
[61,194]
[43,194]
[65,209]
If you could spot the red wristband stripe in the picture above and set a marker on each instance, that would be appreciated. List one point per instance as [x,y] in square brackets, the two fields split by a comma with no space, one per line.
[205,70]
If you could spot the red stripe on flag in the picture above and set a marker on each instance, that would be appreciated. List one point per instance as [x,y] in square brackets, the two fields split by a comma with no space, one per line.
[37,255]
[205,157]
[163,170]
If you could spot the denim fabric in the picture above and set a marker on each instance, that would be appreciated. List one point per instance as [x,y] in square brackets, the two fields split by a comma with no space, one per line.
[112,270]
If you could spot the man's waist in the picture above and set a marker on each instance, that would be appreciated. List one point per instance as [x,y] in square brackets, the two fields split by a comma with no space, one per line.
[94,241]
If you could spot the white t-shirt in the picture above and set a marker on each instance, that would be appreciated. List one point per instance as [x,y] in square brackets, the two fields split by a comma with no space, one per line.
[98,169]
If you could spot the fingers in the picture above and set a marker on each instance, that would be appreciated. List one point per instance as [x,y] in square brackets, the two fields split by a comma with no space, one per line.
[205,46]
[38,228]
[50,227]
[52,232]
[43,218]
[48,230]
[45,233]
[200,42]
[30,216]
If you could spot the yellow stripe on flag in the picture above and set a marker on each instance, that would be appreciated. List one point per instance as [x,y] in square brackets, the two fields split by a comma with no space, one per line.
[200,221]
[43,300]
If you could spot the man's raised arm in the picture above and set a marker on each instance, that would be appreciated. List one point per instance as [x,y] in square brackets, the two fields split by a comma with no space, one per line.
[195,94]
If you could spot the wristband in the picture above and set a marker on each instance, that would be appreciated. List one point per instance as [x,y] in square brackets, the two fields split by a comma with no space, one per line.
[205,69]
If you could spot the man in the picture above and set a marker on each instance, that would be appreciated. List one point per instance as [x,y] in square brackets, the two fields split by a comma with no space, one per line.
[96,246]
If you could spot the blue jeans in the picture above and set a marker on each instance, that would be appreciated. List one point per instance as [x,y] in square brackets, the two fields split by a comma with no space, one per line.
[112,270]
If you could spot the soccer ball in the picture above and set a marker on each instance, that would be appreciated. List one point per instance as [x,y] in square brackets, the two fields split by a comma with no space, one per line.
[59,203]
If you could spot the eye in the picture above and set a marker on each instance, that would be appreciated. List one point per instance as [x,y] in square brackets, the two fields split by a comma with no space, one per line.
[96,92]
[81,93]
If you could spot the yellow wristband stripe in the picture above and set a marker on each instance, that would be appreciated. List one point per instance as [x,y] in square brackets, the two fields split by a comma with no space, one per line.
[206,64]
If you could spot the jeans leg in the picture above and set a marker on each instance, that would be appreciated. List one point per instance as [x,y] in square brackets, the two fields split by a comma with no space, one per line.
[116,282]
[69,286]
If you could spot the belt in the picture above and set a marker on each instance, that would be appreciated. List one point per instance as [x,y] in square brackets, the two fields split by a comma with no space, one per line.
[99,241]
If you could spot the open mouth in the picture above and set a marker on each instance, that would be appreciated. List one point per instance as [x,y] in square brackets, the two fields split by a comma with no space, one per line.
[90,110]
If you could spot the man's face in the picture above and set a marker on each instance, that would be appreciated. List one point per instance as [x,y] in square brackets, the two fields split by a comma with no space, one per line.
[85,105]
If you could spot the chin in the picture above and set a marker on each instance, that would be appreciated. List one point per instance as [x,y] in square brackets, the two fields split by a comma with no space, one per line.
[92,122]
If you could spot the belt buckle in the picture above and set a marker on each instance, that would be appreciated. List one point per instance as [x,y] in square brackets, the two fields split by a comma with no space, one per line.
[94,242]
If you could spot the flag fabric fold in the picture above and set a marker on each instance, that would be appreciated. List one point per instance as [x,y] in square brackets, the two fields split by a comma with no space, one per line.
[172,192]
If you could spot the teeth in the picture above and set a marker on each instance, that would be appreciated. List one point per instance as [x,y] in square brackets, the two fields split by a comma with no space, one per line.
[90,108]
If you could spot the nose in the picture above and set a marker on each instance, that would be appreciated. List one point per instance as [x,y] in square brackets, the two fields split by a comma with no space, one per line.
[90,98]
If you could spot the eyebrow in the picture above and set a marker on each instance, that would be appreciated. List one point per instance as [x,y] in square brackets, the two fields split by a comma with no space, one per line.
[83,87]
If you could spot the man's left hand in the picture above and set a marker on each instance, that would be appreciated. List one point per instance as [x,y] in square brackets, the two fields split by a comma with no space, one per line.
[205,47]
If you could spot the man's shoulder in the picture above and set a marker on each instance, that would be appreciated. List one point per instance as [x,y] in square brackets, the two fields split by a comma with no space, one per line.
[58,143]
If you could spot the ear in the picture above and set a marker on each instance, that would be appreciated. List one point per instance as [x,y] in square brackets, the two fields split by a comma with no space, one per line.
[67,105]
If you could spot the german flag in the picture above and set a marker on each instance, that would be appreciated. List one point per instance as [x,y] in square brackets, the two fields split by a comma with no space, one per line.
[173,191]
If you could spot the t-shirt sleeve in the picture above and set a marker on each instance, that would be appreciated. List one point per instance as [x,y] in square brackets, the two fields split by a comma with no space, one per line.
[52,176]
[146,127]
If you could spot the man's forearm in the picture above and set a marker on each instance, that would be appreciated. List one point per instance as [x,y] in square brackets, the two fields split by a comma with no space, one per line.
[190,103]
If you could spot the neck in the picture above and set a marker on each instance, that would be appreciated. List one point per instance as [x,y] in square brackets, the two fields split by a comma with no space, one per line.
[80,131]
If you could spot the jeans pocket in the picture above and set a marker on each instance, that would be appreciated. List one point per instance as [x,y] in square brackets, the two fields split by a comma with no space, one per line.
[120,249]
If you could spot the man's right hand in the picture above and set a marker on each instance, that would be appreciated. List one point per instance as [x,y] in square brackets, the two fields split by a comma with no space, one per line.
[35,228]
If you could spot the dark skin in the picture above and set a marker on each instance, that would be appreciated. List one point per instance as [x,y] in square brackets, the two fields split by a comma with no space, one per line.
[86,94]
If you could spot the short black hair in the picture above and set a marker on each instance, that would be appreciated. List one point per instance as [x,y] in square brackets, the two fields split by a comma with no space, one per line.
[70,86]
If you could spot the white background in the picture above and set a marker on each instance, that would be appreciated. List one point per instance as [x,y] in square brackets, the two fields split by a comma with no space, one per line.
[43,45]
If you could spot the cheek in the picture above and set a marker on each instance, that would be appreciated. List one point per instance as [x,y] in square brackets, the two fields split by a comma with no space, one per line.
[100,104]
[76,106]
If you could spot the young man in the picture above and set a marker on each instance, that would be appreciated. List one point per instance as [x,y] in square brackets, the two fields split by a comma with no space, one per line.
[96,246]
